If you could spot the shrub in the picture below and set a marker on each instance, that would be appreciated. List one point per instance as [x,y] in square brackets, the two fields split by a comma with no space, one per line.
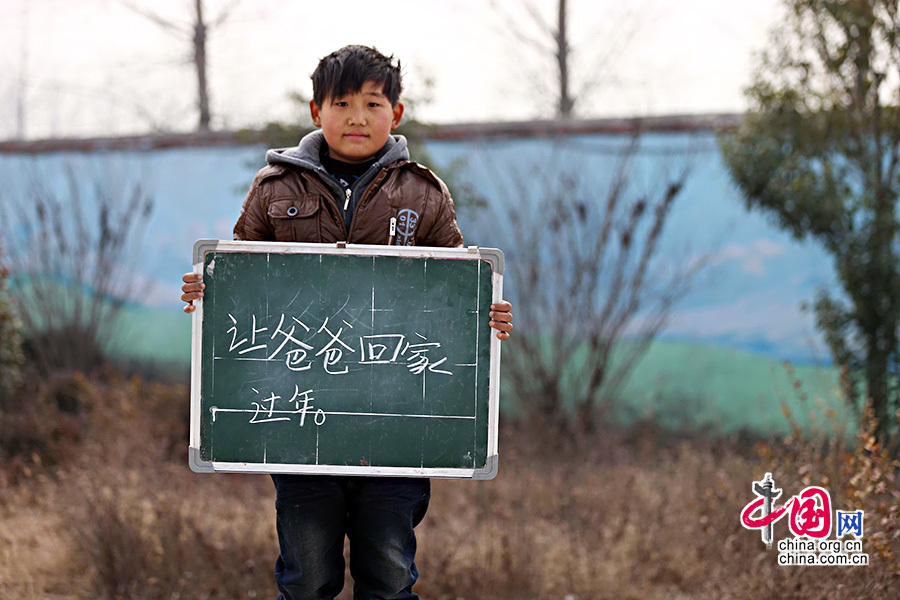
[11,358]
[43,424]
[70,264]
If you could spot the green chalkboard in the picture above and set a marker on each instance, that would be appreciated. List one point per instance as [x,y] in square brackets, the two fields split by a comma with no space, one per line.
[345,359]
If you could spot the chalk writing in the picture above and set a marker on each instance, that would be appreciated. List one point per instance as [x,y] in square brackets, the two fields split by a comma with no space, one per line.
[295,357]
[235,344]
[333,354]
[373,348]
[268,410]
[418,359]
[298,344]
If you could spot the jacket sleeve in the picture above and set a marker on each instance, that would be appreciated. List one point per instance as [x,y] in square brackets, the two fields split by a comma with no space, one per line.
[444,231]
[253,225]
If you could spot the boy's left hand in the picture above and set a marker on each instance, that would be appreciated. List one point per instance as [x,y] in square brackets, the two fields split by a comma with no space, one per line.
[501,319]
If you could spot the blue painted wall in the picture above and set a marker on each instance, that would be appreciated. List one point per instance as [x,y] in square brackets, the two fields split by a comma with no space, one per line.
[747,299]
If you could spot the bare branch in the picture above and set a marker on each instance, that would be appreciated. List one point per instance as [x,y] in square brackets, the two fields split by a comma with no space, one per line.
[543,46]
[571,82]
[167,25]
[580,261]
[532,11]
[224,14]
[69,263]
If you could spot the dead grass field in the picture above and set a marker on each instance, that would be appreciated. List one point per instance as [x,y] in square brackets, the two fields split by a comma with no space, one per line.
[99,503]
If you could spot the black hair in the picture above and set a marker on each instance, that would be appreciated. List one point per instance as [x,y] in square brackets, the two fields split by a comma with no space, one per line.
[346,70]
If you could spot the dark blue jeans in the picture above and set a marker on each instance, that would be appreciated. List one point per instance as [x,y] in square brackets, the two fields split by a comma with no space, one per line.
[377,514]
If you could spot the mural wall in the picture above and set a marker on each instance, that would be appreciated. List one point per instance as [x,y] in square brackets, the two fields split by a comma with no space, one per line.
[744,308]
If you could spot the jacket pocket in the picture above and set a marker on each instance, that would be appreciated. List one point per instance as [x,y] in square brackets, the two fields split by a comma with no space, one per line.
[295,219]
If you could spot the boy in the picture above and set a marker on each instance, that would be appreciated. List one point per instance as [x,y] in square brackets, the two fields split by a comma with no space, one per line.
[349,181]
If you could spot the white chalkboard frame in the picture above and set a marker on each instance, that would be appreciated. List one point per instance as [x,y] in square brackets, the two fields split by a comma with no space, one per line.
[493,255]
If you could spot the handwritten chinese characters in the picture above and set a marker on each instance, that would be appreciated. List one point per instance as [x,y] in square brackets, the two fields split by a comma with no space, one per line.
[268,410]
[337,349]
[333,346]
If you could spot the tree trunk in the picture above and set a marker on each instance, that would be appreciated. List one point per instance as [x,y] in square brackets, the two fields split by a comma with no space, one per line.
[877,388]
[566,102]
[200,64]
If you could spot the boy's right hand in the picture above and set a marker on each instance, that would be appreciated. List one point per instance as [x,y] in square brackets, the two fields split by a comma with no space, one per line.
[193,289]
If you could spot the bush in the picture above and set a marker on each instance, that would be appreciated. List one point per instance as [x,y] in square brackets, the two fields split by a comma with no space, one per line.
[157,546]
[860,474]
[11,357]
[43,426]
[70,262]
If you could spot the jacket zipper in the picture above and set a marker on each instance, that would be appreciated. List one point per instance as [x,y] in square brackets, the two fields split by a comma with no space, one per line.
[362,199]
[365,195]
[392,231]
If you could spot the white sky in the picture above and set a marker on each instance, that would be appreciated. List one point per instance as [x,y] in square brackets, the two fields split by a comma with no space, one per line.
[92,67]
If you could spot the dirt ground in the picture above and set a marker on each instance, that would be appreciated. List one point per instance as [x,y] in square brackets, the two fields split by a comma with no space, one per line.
[99,503]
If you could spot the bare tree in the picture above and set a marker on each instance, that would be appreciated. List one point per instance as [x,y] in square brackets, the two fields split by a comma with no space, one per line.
[589,288]
[22,83]
[69,263]
[561,37]
[197,33]
[553,40]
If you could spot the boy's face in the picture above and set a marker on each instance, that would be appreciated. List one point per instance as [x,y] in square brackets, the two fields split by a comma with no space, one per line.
[357,125]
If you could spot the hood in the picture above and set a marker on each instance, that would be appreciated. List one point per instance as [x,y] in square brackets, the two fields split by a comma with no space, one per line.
[306,153]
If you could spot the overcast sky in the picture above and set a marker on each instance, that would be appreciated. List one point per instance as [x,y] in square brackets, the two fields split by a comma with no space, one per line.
[93,67]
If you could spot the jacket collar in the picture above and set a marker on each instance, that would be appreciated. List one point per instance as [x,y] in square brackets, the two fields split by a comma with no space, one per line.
[306,153]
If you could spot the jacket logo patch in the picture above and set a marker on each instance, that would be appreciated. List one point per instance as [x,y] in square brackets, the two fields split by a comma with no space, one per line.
[407,220]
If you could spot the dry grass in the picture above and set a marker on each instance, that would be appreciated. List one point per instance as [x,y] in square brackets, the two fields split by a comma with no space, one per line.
[120,515]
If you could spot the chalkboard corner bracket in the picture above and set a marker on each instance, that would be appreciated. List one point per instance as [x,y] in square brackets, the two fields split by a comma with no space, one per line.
[202,246]
[490,469]
[198,465]
[495,257]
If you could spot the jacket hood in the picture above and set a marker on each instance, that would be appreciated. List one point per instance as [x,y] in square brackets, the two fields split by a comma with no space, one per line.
[306,153]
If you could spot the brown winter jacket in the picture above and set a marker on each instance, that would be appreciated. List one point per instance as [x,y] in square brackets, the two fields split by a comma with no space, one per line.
[293,199]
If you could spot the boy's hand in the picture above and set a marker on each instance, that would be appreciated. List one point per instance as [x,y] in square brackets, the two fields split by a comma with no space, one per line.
[501,319]
[193,289]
